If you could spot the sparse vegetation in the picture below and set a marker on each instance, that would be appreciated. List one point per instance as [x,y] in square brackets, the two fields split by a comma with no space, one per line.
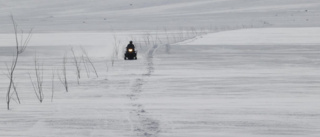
[21,46]
[63,79]
[116,48]
[77,64]
[86,59]
[38,83]
[52,85]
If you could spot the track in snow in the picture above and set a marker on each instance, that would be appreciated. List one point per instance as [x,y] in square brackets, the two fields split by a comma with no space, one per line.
[144,125]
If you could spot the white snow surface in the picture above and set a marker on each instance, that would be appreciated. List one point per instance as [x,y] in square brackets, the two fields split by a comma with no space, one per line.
[266,36]
[256,74]
[124,15]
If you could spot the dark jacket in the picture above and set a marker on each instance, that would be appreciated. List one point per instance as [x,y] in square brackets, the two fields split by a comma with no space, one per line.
[130,46]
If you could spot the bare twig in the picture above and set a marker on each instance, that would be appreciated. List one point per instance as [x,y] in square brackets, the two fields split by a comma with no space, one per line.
[87,59]
[15,90]
[20,48]
[85,65]
[52,85]
[37,84]
[63,79]
[77,65]
[115,49]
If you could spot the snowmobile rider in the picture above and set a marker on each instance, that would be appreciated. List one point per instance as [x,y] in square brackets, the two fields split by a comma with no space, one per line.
[130,46]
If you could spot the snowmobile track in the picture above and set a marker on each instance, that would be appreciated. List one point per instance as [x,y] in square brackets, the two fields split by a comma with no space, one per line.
[143,124]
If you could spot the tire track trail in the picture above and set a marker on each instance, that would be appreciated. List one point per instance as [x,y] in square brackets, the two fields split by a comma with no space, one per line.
[143,124]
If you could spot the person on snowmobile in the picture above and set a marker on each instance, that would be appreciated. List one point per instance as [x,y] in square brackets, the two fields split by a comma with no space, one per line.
[130,46]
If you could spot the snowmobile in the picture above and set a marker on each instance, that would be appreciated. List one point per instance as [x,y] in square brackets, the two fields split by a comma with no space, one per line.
[130,54]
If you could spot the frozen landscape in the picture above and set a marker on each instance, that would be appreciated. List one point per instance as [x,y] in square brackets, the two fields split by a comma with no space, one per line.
[205,68]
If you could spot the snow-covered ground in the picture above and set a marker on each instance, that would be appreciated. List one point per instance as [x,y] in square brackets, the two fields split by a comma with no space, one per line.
[108,15]
[255,74]
[265,36]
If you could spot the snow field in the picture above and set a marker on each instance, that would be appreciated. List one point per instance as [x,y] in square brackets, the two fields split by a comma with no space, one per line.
[114,15]
[258,36]
[262,81]
[197,90]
